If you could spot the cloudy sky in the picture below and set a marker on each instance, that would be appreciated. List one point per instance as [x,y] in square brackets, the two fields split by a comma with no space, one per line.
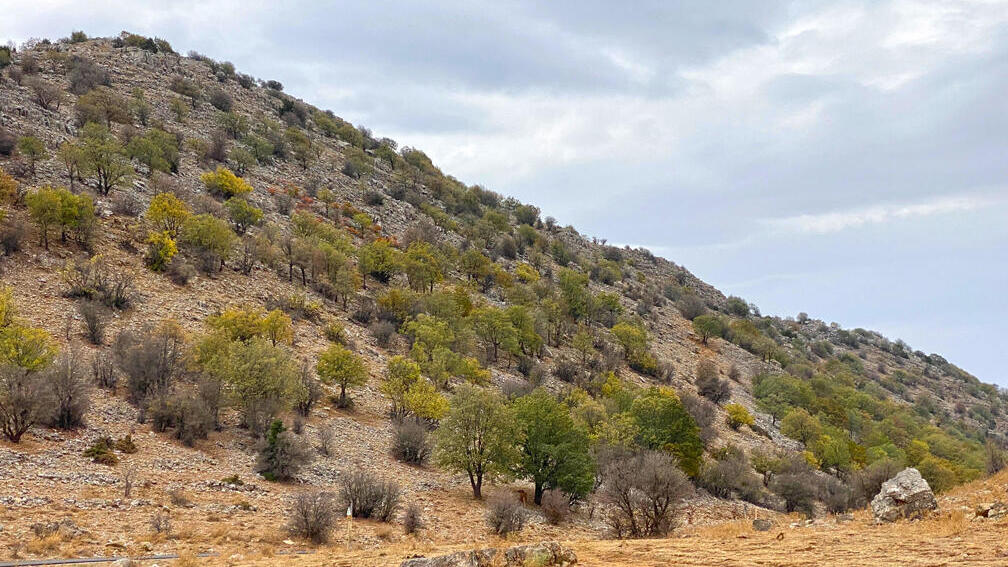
[847,159]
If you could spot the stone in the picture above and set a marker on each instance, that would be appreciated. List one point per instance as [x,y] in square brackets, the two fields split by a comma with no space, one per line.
[906,495]
[550,554]
[762,524]
[124,562]
[991,510]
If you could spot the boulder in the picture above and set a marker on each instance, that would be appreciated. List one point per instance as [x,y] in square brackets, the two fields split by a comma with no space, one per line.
[762,524]
[991,510]
[906,495]
[549,554]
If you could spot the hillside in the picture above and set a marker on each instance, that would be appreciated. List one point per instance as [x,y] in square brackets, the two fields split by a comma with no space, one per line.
[248,234]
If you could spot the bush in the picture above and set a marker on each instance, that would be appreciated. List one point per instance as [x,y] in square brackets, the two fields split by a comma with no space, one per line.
[103,371]
[643,490]
[102,452]
[22,400]
[281,454]
[151,359]
[368,497]
[555,506]
[180,271]
[224,182]
[373,198]
[383,331]
[69,394]
[412,519]
[12,234]
[94,321]
[737,416]
[731,475]
[797,487]
[221,100]
[505,515]
[411,443]
[85,75]
[7,142]
[703,413]
[691,306]
[709,382]
[312,516]
[565,369]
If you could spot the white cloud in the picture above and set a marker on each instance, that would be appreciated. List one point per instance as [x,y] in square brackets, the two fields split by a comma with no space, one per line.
[837,221]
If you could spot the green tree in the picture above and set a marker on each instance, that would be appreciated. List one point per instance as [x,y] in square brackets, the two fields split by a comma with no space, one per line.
[72,158]
[477,437]
[261,377]
[400,375]
[243,214]
[555,451]
[33,149]
[708,326]
[50,206]
[155,149]
[423,266]
[799,425]
[103,106]
[104,158]
[337,365]
[379,260]
[663,423]
[776,394]
[494,329]
[574,291]
[210,238]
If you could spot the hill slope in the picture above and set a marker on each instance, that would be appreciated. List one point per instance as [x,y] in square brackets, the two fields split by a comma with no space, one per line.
[604,322]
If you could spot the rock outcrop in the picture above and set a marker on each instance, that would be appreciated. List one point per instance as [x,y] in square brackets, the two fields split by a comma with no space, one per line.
[549,554]
[906,495]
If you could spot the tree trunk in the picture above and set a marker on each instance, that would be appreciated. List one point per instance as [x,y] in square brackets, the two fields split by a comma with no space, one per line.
[539,489]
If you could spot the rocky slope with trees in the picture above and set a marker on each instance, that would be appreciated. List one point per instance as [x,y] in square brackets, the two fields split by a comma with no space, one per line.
[205,278]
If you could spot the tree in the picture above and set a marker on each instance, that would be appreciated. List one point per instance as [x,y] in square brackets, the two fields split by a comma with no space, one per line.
[477,436]
[663,423]
[340,366]
[168,213]
[260,376]
[644,490]
[104,157]
[633,339]
[223,181]
[281,454]
[494,329]
[423,266]
[737,416]
[584,342]
[708,326]
[243,215]
[474,264]
[555,451]
[33,149]
[379,260]
[400,375]
[709,382]
[156,149]
[776,394]
[209,238]
[161,248]
[50,206]
[103,106]
[72,158]
[798,424]
[22,405]
[574,290]
[47,95]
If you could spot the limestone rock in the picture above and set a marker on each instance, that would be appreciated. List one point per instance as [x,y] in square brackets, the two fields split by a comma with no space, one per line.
[992,510]
[906,495]
[762,524]
[549,554]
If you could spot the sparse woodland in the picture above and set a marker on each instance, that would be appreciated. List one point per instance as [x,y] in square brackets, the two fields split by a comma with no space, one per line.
[231,267]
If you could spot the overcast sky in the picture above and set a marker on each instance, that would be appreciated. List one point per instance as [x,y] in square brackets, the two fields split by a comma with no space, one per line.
[847,159]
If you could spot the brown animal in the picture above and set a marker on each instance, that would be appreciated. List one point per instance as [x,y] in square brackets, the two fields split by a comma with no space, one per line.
[522,496]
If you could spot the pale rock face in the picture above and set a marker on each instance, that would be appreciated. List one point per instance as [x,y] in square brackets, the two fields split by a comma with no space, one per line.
[547,554]
[906,495]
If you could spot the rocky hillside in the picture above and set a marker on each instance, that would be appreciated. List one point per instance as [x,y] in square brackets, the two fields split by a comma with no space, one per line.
[208,254]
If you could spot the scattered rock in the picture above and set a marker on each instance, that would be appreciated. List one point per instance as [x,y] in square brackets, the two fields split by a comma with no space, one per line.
[549,554]
[906,495]
[762,525]
[844,518]
[991,510]
[124,562]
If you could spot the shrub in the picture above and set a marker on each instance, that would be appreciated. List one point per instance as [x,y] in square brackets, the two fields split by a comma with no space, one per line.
[102,452]
[161,523]
[221,100]
[309,392]
[708,326]
[85,75]
[737,416]
[412,519]
[555,506]
[12,234]
[373,198]
[368,497]
[505,515]
[151,359]
[103,371]
[7,142]
[22,400]
[243,215]
[643,490]
[709,382]
[180,271]
[565,369]
[731,475]
[797,486]
[127,205]
[663,423]
[691,306]
[411,443]
[703,413]
[161,248]
[312,516]
[340,366]
[223,181]
[94,321]
[281,454]
[210,239]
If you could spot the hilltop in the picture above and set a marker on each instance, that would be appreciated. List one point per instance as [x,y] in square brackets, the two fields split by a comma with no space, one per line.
[213,215]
